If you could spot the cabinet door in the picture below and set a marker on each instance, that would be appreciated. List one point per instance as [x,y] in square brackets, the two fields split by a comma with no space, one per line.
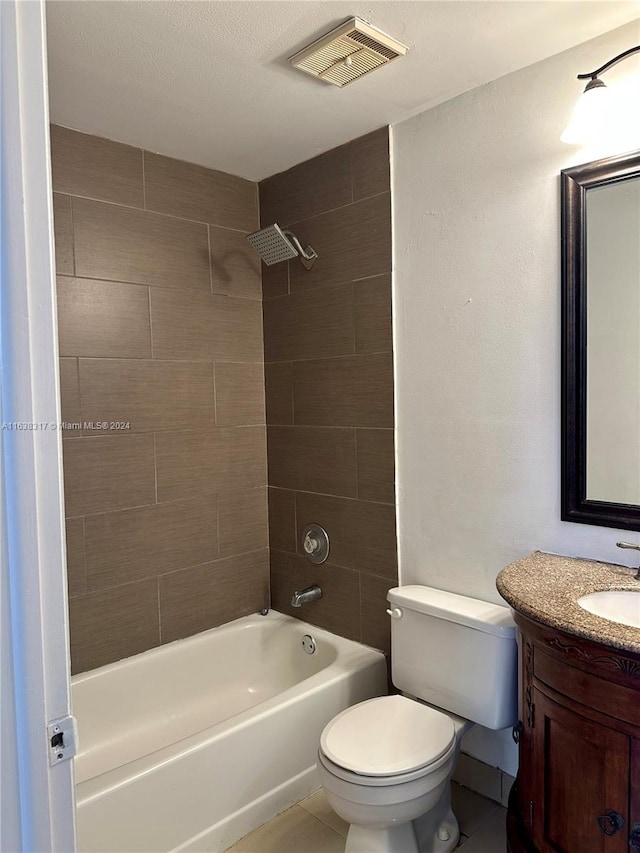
[581,782]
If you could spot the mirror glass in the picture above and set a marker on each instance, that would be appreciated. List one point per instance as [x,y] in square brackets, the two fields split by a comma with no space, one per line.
[613,342]
[601,342]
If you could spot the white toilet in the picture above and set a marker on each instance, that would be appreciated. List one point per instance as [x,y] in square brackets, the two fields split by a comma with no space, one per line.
[386,764]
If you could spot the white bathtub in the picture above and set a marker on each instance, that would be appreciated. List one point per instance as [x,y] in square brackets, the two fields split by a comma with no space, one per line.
[191,745]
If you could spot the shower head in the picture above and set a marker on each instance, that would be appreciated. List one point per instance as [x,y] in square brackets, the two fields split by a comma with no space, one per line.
[274,245]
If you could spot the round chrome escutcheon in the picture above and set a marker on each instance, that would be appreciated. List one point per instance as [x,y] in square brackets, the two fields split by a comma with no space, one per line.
[308,644]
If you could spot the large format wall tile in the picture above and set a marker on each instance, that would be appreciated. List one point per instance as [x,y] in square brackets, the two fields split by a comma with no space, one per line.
[278,379]
[376,465]
[196,599]
[352,242]
[329,388]
[193,192]
[339,608]
[148,395]
[98,168]
[107,472]
[316,459]
[235,264]
[239,394]
[349,391]
[70,391]
[198,462]
[313,324]
[63,234]
[138,543]
[112,624]
[103,318]
[376,628]
[242,521]
[370,164]
[362,534]
[372,314]
[205,326]
[275,280]
[160,326]
[312,187]
[122,244]
[76,566]
[282,519]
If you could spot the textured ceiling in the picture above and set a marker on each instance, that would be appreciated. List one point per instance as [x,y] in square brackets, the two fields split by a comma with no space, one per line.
[209,82]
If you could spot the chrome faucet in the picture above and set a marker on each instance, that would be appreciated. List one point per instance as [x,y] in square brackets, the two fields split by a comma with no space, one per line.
[311,593]
[633,547]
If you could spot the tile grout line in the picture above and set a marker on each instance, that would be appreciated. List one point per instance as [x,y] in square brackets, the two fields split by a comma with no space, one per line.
[150,319]
[159,610]
[149,210]
[84,554]
[295,223]
[209,258]
[144,182]
[73,232]
[165,574]
[155,470]
[184,291]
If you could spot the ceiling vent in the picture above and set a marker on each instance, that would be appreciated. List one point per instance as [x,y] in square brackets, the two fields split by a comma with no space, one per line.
[350,51]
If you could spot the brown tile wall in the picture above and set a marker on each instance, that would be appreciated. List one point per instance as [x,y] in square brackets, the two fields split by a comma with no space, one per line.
[329,388]
[160,326]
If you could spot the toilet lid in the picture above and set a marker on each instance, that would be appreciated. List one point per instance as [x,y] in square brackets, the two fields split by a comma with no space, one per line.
[387,736]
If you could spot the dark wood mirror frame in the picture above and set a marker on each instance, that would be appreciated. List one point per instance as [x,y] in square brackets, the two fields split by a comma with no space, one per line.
[575,183]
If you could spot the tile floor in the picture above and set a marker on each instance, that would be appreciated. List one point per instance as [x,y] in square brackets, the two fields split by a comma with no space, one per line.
[312,827]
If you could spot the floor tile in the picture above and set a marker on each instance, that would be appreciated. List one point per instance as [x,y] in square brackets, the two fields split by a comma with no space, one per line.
[293,831]
[312,826]
[470,808]
[318,806]
[491,837]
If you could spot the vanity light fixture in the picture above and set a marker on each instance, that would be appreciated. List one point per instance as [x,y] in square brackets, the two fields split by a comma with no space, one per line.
[593,113]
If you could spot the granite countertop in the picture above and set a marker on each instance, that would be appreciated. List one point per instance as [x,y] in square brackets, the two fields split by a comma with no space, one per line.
[546,588]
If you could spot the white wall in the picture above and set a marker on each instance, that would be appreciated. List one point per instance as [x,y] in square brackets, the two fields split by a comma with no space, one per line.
[476,197]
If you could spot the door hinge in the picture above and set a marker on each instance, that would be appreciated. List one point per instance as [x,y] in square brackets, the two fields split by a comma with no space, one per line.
[62,739]
[531,813]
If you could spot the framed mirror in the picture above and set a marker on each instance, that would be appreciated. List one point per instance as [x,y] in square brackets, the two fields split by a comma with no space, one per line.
[601,342]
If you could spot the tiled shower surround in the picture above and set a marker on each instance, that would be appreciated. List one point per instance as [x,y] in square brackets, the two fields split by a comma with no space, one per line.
[329,388]
[161,329]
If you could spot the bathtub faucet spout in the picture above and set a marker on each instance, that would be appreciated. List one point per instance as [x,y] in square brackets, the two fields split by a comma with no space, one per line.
[311,593]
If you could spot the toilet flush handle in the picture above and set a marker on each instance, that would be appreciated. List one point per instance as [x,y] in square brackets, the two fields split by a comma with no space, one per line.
[394,612]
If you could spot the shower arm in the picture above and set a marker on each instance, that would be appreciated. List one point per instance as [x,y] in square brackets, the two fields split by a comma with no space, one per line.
[308,254]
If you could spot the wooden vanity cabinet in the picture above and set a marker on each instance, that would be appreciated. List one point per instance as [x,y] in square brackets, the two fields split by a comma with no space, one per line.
[578,786]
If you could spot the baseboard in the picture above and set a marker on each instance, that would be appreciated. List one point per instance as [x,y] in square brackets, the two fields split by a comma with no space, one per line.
[490,782]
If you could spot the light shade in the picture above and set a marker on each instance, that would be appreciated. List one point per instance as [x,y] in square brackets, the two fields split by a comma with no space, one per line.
[592,117]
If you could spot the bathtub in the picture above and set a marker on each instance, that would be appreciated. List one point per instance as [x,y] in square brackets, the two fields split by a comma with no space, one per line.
[191,745]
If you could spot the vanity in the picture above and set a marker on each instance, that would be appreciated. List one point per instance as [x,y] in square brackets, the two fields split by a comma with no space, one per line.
[578,785]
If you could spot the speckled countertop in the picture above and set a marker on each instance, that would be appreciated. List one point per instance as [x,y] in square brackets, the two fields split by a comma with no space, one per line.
[546,588]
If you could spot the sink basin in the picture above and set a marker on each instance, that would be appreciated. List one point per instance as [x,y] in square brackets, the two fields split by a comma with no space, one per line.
[615,605]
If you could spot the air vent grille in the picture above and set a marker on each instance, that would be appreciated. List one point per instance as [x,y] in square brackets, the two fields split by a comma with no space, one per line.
[372,44]
[350,51]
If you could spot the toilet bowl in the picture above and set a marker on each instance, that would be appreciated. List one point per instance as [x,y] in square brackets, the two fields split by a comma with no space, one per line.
[386,764]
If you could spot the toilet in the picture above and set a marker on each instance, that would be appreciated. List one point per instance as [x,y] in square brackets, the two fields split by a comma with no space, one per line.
[386,764]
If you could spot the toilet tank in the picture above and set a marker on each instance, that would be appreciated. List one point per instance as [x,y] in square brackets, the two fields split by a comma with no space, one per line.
[455,652]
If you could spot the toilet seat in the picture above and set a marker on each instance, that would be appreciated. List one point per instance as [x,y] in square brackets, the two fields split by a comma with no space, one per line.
[390,739]
[384,781]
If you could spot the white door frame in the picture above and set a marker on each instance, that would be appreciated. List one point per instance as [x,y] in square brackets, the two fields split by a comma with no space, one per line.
[37,801]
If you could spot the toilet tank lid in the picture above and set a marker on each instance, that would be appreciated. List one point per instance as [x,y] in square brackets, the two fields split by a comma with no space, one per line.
[480,615]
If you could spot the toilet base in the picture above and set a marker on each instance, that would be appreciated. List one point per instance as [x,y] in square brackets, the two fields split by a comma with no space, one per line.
[419,836]
[400,838]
